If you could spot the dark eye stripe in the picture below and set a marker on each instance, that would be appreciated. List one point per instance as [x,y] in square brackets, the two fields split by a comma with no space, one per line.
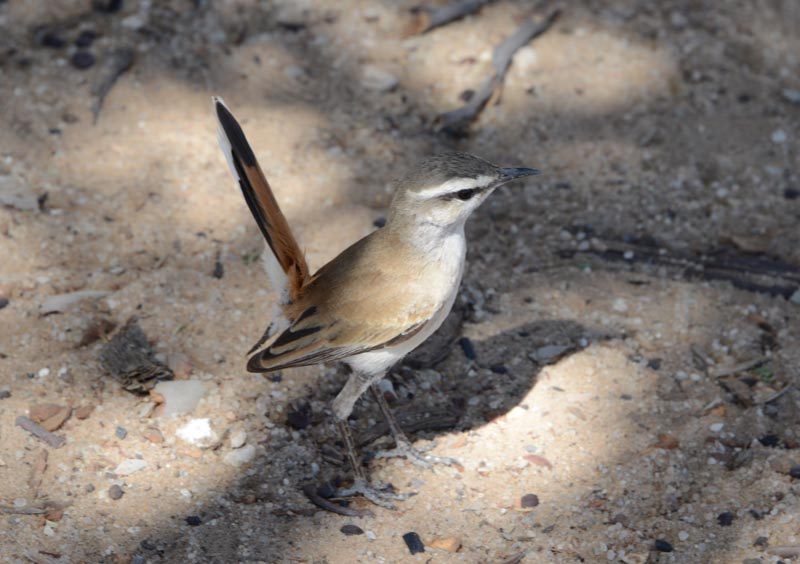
[463,195]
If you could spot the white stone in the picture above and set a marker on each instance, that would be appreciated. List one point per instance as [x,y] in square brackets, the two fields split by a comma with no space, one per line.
[717,427]
[180,396]
[238,438]
[778,136]
[620,305]
[130,466]
[240,456]
[378,79]
[198,432]
[17,194]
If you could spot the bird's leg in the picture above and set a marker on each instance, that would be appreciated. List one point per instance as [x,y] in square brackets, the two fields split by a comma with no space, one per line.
[342,407]
[403,447]
[380,494]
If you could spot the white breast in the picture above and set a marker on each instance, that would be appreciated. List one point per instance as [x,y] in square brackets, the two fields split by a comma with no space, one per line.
[448,256]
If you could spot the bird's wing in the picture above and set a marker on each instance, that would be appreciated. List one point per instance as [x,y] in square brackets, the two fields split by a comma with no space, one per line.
[354,304]
[286,265]
[306,343]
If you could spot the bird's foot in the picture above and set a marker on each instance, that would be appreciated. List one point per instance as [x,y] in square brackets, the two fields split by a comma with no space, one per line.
[417,456]
[381,495]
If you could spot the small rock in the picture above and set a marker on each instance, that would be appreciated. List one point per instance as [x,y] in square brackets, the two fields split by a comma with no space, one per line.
[121,432]
[193,521]
[620,305]
[529,501]
[115,492]
[379,222]
[791,96]
[4,302]
[5,394]
[377,79]
[351,530]
[49,415]
[153,435]
[778,136]
[198,432]
[85,38]
[180,396]
[240,456]
[82,60]
[450,544]
[89,488]
[84,411]
[238,438]
[654,364]
[761,541]
[716,427]
[662,546]
[794,471]
[467,348]
[548,353]
[52,41]
[130,466]
[791,193]
[498,368]
[414,543]
[725,519]
[795,298]
[60,302]
[299,418]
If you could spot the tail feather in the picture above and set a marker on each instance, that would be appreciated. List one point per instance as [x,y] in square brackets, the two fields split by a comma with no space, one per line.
[286,266]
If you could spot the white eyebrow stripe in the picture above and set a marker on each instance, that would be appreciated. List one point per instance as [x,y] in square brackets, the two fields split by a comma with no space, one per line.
[454,185]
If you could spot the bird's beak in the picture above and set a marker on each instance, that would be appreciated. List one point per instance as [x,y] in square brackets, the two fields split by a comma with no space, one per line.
[513,173]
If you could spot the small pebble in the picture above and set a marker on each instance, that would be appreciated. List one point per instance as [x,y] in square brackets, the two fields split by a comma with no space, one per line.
[115,492]
[82,60]
[716,427]
[414,543]
[654,363]
[529,500]
[83,412]
[683,535]
[52,41]
[351,530]
[778,136]
[380,222]
[5,394]
[85,38]
[240,456]
[498,368]
[794,471]
[130,466]
[761,541]
[662,546]
[467,347]
[121,432]
[4,302]
[193,521]
[89,488]
[299,418]
[450,544]
[725,519]
[770,440]
[154,436]
[238,438]
[789,194]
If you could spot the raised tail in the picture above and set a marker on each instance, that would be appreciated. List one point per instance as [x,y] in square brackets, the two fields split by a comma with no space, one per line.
[286,267]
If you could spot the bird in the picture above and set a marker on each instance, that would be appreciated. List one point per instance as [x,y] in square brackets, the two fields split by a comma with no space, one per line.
[376,301]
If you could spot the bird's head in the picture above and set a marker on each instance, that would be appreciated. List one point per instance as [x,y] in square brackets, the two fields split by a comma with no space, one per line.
[444,190]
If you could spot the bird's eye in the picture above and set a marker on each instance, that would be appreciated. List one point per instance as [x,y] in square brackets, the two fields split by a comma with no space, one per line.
[466,194]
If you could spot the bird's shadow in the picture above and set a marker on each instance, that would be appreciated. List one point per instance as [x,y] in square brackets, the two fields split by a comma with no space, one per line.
[449,384]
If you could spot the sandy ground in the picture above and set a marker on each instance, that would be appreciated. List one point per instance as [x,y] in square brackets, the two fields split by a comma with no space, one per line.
[653,412]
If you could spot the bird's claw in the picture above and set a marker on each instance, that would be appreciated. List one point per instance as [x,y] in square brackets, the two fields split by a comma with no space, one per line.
[379,495]
[416,456]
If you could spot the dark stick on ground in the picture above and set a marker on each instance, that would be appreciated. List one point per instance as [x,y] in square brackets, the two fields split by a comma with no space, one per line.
[456,122]
[311,493]
[753,273]
[433,17]
[40,432]
[117,64]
